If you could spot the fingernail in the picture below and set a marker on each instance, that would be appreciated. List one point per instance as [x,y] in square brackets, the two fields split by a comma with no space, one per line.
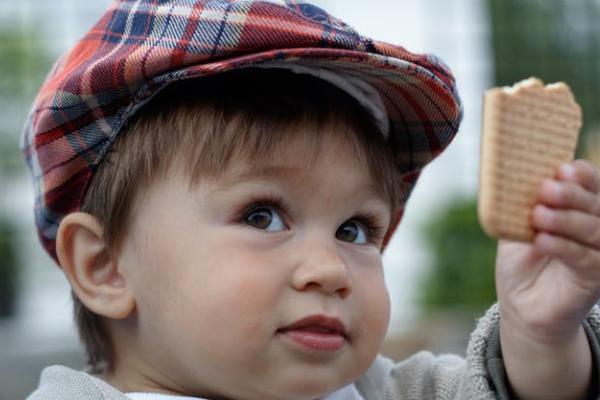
[567,170]
[545,218]
[552,185]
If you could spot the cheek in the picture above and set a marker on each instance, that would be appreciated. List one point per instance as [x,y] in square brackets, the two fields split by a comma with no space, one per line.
[213,308]
[368,283]
[232,289]
[231,311]
[378,302]
[374,303]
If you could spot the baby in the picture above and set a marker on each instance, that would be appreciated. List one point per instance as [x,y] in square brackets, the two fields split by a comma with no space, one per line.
[218,179]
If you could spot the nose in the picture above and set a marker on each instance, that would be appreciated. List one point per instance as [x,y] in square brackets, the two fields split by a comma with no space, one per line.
[322,269]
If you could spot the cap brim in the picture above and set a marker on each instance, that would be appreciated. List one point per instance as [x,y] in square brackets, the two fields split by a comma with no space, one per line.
[424,111]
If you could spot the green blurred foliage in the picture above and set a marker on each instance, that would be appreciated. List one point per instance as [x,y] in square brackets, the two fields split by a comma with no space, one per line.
[555,40]
[9,272]
[462,272]
[24,63]
[11,162]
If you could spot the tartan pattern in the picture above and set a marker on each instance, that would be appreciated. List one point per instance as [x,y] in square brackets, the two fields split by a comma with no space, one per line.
[139,46]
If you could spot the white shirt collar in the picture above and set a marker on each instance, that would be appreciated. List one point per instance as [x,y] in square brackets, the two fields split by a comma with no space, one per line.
[346,393]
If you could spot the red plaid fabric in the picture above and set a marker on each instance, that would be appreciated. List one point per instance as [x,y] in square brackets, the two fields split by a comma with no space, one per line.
[140,46]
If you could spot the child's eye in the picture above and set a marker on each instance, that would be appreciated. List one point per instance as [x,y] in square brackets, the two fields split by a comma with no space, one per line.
[361,229]
[265,218]
[353,231]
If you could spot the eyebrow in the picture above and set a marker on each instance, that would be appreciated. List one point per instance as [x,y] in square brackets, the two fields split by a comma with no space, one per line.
[266,172]
[281,173]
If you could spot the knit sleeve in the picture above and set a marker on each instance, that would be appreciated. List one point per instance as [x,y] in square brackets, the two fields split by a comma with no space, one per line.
[495,363]
[479,376]
[425,376]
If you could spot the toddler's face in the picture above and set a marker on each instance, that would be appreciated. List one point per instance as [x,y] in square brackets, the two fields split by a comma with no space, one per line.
[265,283]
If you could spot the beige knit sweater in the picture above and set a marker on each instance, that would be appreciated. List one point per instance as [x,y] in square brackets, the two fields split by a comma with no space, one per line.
[421,377]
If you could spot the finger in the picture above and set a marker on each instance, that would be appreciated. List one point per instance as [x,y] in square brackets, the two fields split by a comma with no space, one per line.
[563,194]
[570,224]
[581,172]
[571,253]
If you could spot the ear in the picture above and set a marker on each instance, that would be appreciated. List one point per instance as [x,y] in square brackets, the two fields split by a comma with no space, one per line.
[90,268]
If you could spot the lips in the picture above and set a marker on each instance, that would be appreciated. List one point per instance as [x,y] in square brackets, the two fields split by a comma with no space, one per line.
[317,332]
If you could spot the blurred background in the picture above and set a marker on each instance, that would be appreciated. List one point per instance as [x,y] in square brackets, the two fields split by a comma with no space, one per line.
[439,265]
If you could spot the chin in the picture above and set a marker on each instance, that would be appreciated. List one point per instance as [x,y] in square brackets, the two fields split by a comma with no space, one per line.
[312,387]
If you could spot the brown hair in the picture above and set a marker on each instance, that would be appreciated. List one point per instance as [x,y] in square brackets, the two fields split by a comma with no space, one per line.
[208,124]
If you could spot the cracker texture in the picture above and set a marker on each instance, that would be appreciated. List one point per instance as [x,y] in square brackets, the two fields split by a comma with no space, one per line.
[528,130]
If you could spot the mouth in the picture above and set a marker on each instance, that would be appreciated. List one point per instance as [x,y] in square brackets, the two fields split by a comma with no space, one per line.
[317,332]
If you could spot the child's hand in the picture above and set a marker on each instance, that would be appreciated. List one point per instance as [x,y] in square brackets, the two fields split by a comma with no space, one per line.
[546,289]
[550,285]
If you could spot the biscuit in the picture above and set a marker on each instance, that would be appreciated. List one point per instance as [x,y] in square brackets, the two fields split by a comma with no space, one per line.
[528,130]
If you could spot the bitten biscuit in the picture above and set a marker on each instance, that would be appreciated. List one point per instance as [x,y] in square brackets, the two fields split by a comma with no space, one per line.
[528,131]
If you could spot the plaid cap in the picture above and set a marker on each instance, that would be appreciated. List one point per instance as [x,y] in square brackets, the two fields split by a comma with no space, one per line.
[140,46]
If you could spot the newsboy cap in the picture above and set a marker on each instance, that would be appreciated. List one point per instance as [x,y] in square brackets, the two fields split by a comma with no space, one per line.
[138,47]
